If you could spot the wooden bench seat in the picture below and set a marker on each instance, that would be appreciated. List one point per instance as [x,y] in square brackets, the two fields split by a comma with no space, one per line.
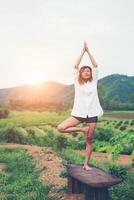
[94,183]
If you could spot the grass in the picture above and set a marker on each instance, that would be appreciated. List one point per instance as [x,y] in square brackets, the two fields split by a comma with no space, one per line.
[31,118]
[22,179]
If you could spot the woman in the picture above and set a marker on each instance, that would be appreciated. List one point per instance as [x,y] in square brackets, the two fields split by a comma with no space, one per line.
[86,106]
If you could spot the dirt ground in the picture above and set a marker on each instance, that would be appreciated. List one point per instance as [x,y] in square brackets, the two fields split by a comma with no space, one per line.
[121,116]
[105,157]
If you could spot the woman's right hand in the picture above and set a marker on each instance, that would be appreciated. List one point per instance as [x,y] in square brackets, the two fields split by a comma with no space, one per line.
[86,47]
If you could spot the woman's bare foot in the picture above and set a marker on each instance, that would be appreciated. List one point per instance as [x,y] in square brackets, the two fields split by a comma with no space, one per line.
[86,167]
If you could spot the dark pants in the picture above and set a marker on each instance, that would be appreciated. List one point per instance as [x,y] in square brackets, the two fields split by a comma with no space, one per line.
[87,119]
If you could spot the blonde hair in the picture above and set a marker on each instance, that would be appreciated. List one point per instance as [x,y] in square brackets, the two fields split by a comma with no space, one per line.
[80,79]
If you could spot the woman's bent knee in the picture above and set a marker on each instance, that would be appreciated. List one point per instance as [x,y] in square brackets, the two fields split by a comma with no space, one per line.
[60,128]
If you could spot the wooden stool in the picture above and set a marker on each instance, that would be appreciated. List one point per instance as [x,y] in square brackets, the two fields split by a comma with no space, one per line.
[94,183]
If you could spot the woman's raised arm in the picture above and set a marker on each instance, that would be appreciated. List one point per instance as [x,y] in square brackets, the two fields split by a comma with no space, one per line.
[79,58]
[90,56]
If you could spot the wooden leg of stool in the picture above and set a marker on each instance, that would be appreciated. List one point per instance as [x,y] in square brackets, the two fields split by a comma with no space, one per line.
[96,193]
[70,185]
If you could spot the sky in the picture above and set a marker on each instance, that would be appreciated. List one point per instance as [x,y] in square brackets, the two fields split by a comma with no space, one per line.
[40,40]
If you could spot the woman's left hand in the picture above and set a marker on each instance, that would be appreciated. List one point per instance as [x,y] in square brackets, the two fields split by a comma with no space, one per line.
[86,47]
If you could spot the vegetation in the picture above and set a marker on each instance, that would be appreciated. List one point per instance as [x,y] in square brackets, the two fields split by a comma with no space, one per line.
[4,113]
[21,181]
[119,88]
[122,191]
[39,128]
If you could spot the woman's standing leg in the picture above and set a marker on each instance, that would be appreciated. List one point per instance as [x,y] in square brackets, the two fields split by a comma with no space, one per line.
[89,140]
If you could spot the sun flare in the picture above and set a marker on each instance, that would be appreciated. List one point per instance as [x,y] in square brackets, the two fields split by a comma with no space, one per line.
[35,78]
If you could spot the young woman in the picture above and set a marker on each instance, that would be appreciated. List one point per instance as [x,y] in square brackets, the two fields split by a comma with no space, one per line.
[86,106]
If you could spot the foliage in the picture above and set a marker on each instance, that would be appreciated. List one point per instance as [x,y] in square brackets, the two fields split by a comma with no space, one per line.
[22,178]
[4,113]
[12,134]
[63,173]
[125,190]
[132,155]
[118,170]
[103,134]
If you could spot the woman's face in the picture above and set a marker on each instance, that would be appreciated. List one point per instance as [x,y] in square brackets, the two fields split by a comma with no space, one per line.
[86,73]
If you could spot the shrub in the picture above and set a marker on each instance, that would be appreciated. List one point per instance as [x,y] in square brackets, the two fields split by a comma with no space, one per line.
[100,146]
[123,191]
[64,173]
[60,141]
[4,113]
[77,144]
[116,150]
[123,127]
[132,155]
[103,134]
[119,123]
[132,122]
[12,134]
[118,170]
[126,122]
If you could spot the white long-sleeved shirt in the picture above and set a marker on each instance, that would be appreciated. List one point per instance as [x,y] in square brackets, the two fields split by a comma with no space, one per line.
[86,100]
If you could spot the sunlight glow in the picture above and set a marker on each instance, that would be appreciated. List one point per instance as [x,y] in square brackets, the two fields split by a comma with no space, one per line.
[34,78]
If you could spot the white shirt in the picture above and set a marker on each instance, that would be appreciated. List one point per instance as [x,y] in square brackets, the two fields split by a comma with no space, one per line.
[86,101]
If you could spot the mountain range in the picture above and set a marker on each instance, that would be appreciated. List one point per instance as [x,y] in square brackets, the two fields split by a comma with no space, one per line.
[115,88]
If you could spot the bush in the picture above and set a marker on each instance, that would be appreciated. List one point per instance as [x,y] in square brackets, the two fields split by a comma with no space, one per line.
[12,134]
[123,127]
[103,134]
[132,155]
[4,113]
[60,141]
[77,144]
[126,122]
[125,190]
[132,122]
[118,170]
[64,173]
[116,151]
[101,146]
[119,123]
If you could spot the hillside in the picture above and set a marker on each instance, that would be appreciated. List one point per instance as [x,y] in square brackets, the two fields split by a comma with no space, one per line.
[118,87]
[115,92]
[48,91]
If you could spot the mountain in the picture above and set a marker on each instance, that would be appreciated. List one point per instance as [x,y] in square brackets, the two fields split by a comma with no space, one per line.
[48,91]
[116,91]
[118,87]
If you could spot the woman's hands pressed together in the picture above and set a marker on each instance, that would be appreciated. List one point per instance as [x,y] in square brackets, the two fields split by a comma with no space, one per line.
[85,49]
